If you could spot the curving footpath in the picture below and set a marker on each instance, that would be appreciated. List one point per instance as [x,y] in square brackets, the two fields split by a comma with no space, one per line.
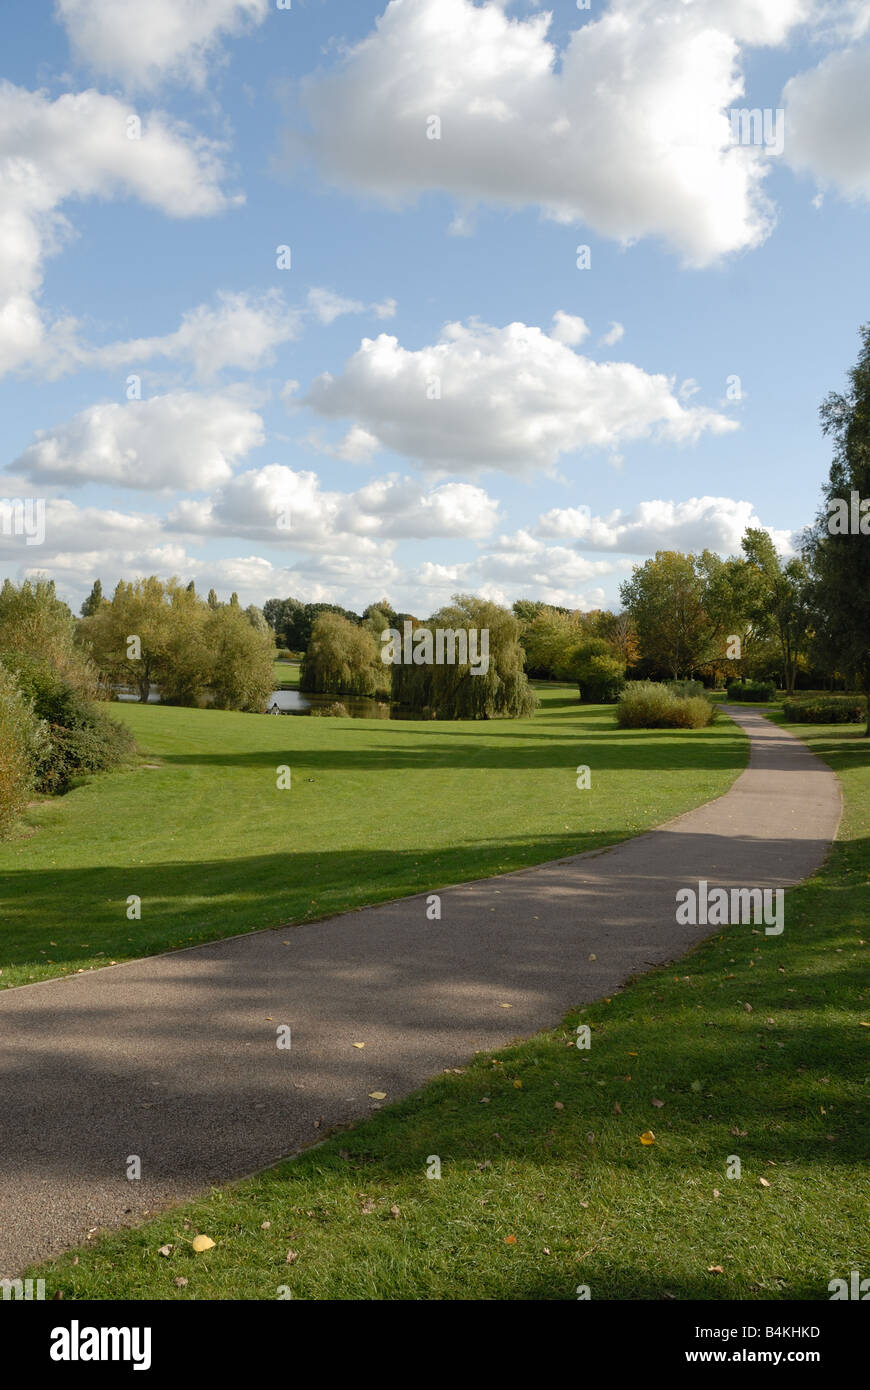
[174,1058]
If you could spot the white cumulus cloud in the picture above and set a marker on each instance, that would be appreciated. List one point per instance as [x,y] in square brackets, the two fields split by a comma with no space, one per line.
[509,398]
[77,147]
[179,440]
[141,42]
[625,127]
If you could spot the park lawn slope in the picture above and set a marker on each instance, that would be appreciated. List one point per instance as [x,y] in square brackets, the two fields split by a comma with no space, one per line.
[199,831]
[545,1186]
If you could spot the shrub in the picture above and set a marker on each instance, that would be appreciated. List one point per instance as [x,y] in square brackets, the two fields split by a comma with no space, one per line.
[79,737]
[827,709]
[21,738]
[650,705]
[334,711]
[599,673]
[686,688]
[760,692]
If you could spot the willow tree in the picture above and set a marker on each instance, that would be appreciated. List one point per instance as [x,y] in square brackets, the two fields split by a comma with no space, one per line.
[471,689]
[241,659]
[342,658]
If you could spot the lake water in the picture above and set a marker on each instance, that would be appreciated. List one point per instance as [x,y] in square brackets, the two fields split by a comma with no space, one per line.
[294,702]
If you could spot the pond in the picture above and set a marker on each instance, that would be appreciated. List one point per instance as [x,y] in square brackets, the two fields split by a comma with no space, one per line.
[357,706]
[294,702]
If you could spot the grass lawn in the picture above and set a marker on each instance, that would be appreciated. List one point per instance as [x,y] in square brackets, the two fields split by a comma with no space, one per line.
[378,809]
[547,1187]
[285,673]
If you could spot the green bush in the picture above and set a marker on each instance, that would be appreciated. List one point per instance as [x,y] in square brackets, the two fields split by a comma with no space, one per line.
[21,740]
[598,671]
[650,705]
[827,709]
[334,711]
[79,737]
[686,688]
[758,692]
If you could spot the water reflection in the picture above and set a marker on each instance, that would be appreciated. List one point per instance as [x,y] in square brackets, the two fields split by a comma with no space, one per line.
[294,702]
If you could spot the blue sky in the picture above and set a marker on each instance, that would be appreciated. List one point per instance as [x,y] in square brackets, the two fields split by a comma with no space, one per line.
[268,450]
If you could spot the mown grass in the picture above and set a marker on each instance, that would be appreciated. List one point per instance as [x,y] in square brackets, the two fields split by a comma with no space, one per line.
[285,673]
[378,809]
[545,1185]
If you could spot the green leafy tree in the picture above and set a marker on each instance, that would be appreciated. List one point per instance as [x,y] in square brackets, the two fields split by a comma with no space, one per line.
[93,600]
[780,600]
[343,658]
[840,560]
[666,598]
[455,691]
[36,624]
[598,671]
[241,659]
[548,638]
[129,636]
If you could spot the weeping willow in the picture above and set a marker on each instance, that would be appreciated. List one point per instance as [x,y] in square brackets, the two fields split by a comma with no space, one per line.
[457,691]
[342,659]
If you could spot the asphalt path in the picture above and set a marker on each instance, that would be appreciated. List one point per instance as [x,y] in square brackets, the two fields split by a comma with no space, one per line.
[174,1059]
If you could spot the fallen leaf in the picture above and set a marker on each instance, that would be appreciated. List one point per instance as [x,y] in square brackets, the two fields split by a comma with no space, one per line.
[715,1269]
[292,1256]
[593,957]
[558,1105]
[264,1225]
[201,1243]
[747,1008]
[165,1250]
[510,1240]
[657,1103]
[377,1095]
[764,1182]
[505,1006]
[518,1084]
[716,1192]
[359,1044]
[647,1137]
[617,1108]
[395,1212]
[181,1282]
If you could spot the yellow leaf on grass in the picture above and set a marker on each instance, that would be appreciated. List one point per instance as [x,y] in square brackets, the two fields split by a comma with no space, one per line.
[377,1095]
[764,1182]
[519,1085]
[647,1137]
[201,1243]
[510,1240]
